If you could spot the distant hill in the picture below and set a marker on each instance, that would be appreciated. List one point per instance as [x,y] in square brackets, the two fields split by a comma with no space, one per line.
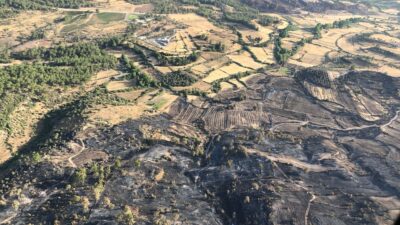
[286,6]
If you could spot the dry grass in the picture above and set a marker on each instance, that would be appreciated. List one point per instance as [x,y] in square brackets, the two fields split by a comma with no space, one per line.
[119,85]
[347,45]
[200,69]
[211,55]
[24,121]
[34,44]
[233,68]
[163,69]
[393,12]
[236,83]
[329,38]
[244,58]
[289,42]
[100,78]
[23,25]
[386,38]
[120,6]
[199,25]
[264,55]
[117,114]
[199,85]
[247,78]
[180,43]
[262,33]
[162,102]
[214,64]
[226,86]
[224,72]
[130,95]
[312,19]
[301,64]
[215,75]
[5,153]
[311,54]
[393,50]
[391,71]
[196,24]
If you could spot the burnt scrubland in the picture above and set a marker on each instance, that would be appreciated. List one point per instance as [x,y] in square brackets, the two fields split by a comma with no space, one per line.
[280,148]
[199,112]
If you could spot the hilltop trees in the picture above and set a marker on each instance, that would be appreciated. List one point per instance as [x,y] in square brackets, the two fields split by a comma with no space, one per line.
[58,66]
[43,4]
[242,18]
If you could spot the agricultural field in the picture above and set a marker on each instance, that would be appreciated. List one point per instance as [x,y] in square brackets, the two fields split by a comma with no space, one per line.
[199,112]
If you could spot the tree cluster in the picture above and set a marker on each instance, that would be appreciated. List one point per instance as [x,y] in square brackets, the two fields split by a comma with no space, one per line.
[178,79]
[63,66]
[43,4]
[79,55]
[316,76]
[281,54]
[242,18]
[6,12]
[337,24]
[175,61]
[134,73]
[267,20]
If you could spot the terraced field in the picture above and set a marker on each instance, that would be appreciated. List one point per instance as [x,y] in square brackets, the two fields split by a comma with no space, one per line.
[199,112]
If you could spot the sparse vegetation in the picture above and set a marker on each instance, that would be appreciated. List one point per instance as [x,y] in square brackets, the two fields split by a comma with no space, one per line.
[126,216]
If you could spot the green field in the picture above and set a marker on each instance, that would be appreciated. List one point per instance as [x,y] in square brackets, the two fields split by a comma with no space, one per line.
[133,16]
[75,21]
[110,17]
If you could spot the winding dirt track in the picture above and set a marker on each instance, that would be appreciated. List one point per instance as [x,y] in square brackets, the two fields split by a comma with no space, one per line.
[313,197]
[291,161]
[70,159]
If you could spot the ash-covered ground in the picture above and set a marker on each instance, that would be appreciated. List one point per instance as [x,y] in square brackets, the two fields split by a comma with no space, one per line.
[284,150]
